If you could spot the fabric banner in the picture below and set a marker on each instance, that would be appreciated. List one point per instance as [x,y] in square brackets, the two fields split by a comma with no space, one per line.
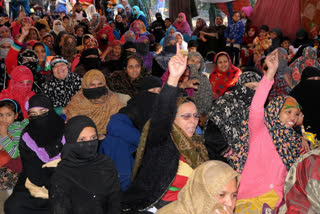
[237,6]
[282,14]
[310,14]
[216,1]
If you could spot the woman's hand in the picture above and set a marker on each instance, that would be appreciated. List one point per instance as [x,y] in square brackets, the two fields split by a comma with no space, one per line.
[194,83]
[177,66]
[24,32]
[272,61]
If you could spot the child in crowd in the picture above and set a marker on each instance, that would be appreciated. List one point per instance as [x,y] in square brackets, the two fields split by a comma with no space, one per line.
[193,46]
[233,35]
[11,126]
[247,45]
[167,23]
[276,37]
[286,44]
[261,42]
[245,13]
[157,49]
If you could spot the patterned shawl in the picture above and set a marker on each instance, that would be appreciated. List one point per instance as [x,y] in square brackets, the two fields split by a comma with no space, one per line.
[99,110]
[302,192]
[232,108]
[286,140]
[308,58]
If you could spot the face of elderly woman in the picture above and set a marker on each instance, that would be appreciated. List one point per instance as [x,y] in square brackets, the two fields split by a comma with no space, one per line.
[228,195]
[133,68]
[195,60]
[187,118]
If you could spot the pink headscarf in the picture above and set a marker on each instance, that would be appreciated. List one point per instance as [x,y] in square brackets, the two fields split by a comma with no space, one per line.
[247,11]
[183,26]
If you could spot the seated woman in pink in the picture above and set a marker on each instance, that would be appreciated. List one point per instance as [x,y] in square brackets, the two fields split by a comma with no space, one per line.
[273,146]
[182,25]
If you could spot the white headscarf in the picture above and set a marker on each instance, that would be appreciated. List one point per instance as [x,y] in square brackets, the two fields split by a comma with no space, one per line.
[57,28]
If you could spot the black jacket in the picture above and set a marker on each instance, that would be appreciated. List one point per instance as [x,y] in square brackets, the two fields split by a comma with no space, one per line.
[161,158]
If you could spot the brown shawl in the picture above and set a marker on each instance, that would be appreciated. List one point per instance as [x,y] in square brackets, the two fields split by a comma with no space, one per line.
[99,110]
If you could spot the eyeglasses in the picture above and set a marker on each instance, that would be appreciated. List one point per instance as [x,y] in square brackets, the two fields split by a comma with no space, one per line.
[188,116]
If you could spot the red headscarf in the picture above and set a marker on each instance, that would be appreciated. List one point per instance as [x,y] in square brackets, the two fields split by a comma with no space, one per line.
[114,44]
[17,90]
[221,81]
[89,42]
[249,39]
[106,30]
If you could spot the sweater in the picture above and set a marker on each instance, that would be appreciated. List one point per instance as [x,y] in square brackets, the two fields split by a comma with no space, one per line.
[10,143]
[119,146]
[264,170]
[235,31]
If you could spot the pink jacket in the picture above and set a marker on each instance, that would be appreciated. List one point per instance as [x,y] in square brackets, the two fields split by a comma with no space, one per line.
[264,169]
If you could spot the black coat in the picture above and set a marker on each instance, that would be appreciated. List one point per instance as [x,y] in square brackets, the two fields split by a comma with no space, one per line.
[161,158]
[74,189]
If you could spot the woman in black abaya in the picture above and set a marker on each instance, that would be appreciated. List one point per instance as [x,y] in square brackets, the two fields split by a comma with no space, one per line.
[84,181]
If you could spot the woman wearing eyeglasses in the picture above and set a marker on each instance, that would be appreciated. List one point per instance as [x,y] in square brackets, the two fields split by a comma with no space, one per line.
[169,149]
[40,147]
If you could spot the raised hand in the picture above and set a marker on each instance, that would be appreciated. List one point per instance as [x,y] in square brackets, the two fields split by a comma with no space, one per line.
[177,66]
[272,61]
[25,29]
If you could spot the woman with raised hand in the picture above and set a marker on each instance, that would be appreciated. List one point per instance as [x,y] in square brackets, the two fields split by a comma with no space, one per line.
[169,149]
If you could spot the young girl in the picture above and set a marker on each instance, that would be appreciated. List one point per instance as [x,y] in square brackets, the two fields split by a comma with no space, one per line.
[247,45]
[261,42]
[233,35]
[274,146]
[11,126]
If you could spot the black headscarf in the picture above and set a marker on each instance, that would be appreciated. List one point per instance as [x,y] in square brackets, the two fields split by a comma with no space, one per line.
[306,93]
[82,158]
[301,33]
[139,108]
[56,47]
[78,153]
[46,130]
[90,63]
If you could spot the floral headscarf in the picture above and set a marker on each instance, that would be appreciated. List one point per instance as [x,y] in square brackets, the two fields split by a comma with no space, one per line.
[286,140]
[138,27]
[308,58]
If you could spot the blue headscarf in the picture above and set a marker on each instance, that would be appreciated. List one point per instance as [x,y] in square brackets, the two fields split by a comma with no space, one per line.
[137,9]
[48,53]
[167,34]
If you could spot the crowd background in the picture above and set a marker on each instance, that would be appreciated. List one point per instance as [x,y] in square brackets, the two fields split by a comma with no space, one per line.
[105,111]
